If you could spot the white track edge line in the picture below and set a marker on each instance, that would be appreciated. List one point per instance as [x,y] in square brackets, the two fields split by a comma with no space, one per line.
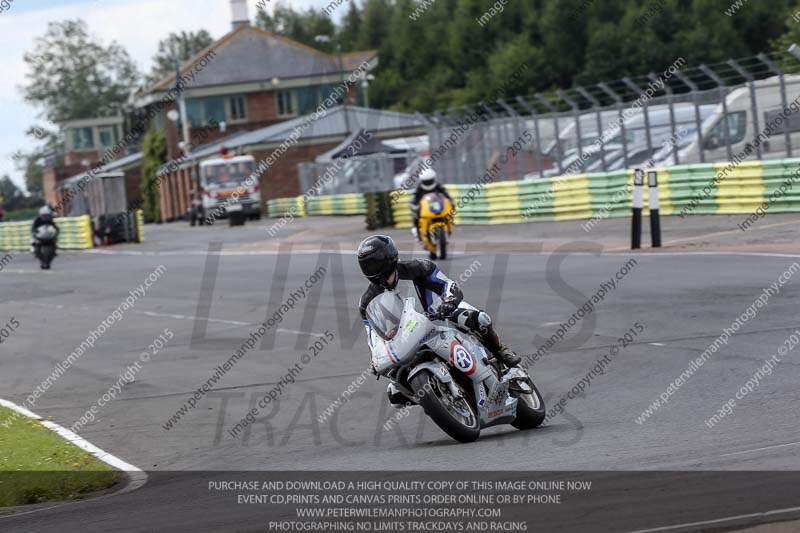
[136,476]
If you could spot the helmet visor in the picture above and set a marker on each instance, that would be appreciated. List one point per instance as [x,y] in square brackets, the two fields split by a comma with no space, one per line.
[374,267]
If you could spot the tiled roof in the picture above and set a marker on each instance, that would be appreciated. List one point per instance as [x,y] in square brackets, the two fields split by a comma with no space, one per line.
[249,54]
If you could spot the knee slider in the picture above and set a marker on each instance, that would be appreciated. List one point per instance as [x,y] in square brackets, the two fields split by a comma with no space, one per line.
[484,320]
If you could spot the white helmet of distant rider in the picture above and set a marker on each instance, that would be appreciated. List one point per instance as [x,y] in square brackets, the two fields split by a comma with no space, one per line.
[45,210]
[427,180]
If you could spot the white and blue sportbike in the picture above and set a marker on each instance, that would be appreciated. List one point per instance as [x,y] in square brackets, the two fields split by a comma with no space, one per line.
[447,371]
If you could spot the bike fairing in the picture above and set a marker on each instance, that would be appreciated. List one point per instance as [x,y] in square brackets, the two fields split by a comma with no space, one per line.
[377,257]
[460,408]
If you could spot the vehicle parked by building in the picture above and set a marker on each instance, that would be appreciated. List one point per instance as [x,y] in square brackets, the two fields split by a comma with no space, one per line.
[227,189]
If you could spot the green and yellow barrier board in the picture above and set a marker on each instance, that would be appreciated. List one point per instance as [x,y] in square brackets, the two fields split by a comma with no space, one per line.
[76,234]
[337,204]
[717,188]
[280,207]
[140,225]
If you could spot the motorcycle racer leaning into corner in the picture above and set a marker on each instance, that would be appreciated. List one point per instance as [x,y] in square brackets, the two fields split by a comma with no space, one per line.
[378,259]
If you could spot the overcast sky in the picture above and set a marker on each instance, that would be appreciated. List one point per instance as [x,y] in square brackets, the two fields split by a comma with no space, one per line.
[137,25]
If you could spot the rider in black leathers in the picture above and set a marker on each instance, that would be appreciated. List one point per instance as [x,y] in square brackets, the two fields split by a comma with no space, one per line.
[378,259]
[45,218]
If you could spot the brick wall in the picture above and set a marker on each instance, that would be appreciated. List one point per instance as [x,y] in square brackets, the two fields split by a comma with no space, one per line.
[262,107]
[53,176]
[75,158]
[282,179]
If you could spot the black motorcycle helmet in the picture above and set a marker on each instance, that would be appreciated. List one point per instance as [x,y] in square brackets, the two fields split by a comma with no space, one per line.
[377,257]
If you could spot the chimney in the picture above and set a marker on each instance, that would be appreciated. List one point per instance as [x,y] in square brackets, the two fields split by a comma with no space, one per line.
[239,12]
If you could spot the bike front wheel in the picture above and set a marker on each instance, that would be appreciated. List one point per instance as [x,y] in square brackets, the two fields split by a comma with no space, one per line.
[455,416]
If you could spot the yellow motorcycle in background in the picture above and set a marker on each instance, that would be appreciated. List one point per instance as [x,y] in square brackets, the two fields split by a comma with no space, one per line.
[436,214]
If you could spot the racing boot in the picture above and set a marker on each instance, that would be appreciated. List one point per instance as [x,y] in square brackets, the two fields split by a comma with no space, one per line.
[492,341]
[509,358]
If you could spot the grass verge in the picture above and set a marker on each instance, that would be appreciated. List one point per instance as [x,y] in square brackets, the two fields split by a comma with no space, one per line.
[36,465]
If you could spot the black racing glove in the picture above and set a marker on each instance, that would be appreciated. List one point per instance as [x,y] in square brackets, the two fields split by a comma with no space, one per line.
[447,308]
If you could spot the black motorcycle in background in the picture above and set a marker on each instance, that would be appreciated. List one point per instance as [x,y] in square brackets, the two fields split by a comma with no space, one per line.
[44,248]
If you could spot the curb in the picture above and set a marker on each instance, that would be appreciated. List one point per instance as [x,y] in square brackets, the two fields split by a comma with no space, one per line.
[136,477]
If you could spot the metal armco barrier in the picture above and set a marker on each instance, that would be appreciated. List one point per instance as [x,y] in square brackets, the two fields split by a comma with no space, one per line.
[76,234]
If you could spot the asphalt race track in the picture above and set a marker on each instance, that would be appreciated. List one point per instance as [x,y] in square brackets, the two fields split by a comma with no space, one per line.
[678,301]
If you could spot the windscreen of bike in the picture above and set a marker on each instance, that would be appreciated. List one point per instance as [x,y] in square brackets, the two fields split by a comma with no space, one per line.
[384,313]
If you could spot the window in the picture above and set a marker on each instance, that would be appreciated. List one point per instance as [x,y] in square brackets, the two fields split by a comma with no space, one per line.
[630,137]
[237,110]
[792,122]
[82,139]
[307,99]
[737,127]
[201,111]
[286,103]
[108,136]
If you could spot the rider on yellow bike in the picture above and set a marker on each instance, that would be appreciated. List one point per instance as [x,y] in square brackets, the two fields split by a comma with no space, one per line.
[425,184]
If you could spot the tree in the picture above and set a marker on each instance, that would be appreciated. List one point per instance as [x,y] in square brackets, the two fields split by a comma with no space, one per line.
[32,167]
[350,28]
[185,45]
[376,15]
[790,28]
[154,149]
[9,192]
[517,68]
[13,197]
[604,59]
[449,53]
[71,76]
[302,27]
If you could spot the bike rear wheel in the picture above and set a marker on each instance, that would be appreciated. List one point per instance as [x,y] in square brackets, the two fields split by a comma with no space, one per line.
[530,407]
